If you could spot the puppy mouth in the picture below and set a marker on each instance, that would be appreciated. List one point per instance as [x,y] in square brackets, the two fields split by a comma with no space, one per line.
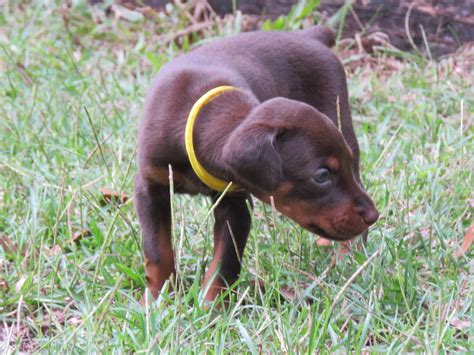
[340,237]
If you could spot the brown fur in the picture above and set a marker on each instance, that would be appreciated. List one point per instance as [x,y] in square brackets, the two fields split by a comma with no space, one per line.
[270,138]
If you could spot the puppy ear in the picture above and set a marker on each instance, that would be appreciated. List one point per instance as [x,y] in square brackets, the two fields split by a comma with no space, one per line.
[251,154]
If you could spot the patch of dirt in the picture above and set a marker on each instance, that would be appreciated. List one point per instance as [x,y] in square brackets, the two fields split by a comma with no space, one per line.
[437,27]
[11,335]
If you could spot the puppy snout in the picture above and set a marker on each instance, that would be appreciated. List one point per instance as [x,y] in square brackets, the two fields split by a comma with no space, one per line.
[366,209]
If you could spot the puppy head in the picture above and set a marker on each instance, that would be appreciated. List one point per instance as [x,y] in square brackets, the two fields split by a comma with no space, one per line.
[290,151]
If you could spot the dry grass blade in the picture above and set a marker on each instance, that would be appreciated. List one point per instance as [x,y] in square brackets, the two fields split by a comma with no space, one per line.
[188,30]
[109,196]
[24,74]
[8,246]
[77,236]
[4,285]
[305,273]
[407,27]
[96,148]
[352,278]
[466,242]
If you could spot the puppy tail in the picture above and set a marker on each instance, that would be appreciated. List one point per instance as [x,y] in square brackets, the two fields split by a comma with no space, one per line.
[321,34]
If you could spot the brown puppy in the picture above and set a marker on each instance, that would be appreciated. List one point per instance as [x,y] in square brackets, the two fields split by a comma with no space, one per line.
[276,136]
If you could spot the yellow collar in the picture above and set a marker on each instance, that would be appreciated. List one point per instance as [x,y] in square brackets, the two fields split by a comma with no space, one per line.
[210,180]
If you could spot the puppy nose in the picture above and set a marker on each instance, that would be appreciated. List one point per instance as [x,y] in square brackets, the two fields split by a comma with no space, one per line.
[370,216]
[367,211]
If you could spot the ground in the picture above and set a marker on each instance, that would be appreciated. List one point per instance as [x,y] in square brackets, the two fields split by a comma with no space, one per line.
[72,83]
[433,27]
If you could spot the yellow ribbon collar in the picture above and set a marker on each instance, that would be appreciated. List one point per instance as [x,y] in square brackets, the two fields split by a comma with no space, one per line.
[207,178]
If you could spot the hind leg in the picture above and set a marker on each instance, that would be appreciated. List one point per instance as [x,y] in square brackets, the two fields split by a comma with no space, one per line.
[152,203]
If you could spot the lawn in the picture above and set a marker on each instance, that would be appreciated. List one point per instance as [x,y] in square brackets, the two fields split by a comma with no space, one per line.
[72,84]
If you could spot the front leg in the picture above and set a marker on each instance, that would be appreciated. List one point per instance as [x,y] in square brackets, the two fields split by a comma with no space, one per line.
[231,229]
[152,203]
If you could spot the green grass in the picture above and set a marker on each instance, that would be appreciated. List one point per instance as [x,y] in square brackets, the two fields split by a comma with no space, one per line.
[72,83]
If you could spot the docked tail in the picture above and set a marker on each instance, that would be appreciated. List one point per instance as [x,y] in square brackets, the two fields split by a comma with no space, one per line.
[321,34]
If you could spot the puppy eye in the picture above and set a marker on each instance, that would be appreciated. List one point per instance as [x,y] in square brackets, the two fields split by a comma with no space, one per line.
[322,176]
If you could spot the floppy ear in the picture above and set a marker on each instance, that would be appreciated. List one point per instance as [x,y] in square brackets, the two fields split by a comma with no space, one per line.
[251,154]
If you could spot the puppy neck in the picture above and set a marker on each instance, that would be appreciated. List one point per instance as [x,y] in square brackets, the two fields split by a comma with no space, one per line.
[216,121]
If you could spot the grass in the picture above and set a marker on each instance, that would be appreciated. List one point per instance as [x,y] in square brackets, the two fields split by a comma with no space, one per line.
[72,82]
